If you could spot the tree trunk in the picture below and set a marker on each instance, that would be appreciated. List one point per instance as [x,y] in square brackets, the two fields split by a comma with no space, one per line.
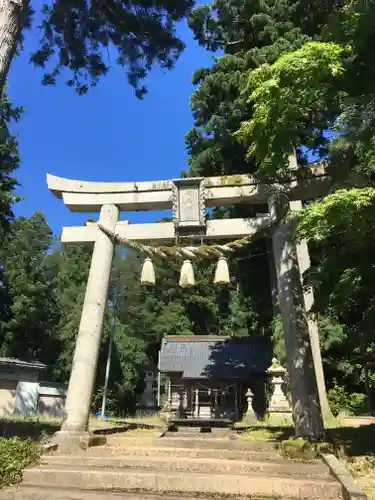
[305,400]
[11,20]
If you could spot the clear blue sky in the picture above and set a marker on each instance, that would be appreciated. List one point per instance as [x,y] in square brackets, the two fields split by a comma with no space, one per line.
[106,135]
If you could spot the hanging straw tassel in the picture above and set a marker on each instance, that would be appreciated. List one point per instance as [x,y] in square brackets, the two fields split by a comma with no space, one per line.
[148,273]
[187,278]
[222,272]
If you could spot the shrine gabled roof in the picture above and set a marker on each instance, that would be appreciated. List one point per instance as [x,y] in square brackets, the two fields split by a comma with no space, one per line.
[213,356]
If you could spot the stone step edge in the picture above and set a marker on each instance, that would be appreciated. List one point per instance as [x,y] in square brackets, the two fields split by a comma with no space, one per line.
[267,464]
[201,475]
[205,485]
[171,449]
[222,444]
[43,492]
[207,453]
[255,473]
[159,446]
[196,437]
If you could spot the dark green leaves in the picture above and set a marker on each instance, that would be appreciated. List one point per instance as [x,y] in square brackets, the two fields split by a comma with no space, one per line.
[9,162]
[84,37]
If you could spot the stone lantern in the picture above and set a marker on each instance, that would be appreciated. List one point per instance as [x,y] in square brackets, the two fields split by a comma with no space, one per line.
[250,415]
[279,405]
[148,399]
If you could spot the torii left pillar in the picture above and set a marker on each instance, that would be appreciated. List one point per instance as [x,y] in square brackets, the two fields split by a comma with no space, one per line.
[74,430]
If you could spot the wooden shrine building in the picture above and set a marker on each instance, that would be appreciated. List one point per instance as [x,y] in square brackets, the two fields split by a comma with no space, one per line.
[208,376]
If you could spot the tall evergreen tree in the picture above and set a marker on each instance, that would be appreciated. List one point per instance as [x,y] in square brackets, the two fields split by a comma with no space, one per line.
[249,34]
[28,322]
[9,162]
[68,266]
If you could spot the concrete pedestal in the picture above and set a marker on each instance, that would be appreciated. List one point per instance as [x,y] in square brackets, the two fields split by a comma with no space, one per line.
[72,442]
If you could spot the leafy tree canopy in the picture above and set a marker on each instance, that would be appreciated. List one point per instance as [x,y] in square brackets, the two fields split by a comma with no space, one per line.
[251,34]
[292,103]
[323,86]
[30,312]
[346,211]
[77,34]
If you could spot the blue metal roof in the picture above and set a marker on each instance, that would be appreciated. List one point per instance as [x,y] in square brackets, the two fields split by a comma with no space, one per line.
[212,356]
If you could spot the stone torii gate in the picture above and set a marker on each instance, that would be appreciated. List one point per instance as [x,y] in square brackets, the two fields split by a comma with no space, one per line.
[189,199]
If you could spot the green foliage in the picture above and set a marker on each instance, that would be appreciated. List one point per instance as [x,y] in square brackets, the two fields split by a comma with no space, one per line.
[350,212]
[330,332]
[251,33]
[16,454]
[68,266]
[289,97]
[341,400]
[341,231]
[76,35]
[9,162]
[355,147]
[322,86]
[30,311]
[129,361]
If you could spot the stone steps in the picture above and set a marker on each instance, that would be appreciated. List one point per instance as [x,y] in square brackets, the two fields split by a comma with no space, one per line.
[142,467]
[199,435]
[31,493]
[184,464]
[200,442]
[215,432]
[153,450]
[176,483]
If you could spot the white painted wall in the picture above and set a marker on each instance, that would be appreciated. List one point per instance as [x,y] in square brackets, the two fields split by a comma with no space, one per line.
[26,403]
[26,392]
[31,396]
[51,400]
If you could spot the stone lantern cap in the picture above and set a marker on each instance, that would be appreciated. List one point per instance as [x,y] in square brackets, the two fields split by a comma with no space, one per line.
[276,368]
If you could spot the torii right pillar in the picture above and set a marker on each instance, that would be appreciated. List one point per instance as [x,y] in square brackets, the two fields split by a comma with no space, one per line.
[307,413]
[308,294]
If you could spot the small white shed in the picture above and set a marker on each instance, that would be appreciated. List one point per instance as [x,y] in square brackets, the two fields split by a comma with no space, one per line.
[19,386]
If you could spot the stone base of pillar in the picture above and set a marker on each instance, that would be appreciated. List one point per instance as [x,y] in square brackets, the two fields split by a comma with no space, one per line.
[279,404]
[166,412]
[280,418]
[73,441]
